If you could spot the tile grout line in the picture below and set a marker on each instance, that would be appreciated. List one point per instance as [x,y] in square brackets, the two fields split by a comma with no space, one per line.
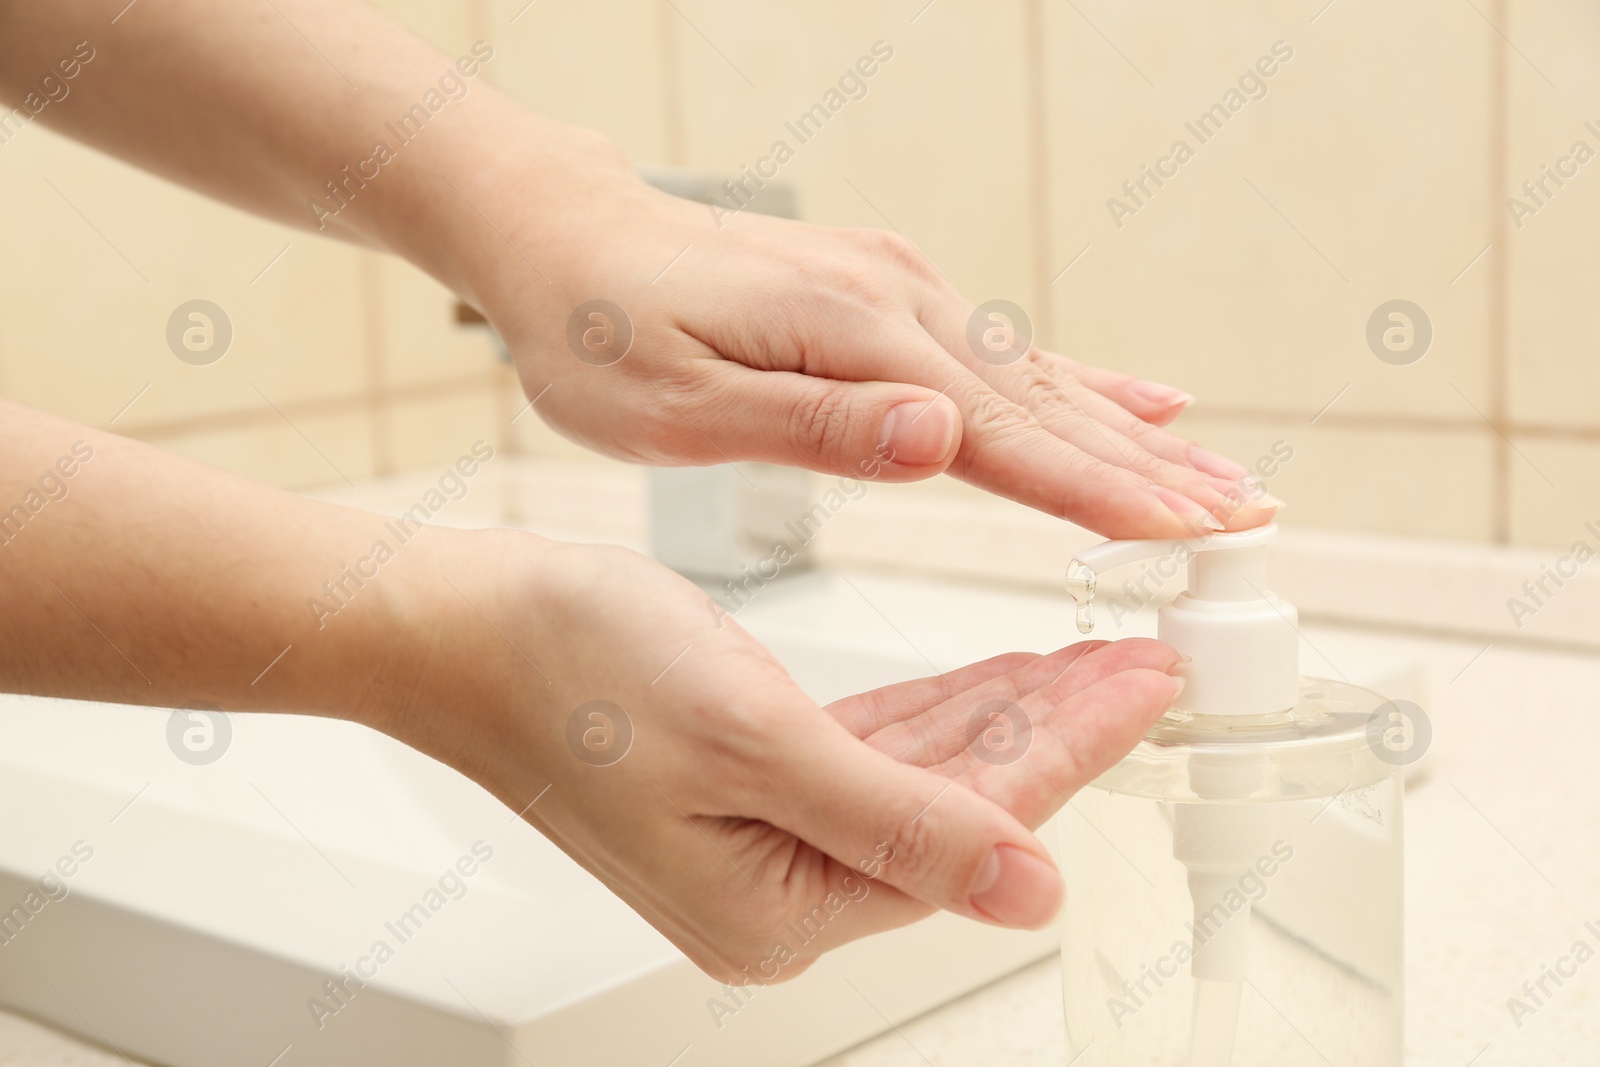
[1401,423]
[481,22]
[508,403]
[1499,276]
[314,407]
[673,139]
[377,365]
[1034,59]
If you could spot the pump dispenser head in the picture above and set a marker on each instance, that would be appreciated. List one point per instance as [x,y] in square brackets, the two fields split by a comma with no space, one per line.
[1243,640]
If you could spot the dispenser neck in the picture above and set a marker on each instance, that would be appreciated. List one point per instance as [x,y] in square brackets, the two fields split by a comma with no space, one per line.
[1243,642]
[1238,574]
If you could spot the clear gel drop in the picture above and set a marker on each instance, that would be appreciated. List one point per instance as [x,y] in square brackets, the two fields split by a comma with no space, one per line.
[1081,585]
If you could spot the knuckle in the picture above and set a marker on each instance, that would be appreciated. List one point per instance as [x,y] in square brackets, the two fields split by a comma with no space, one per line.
[1150,467]
[1041,390]
[662,425]
[995,417]
[1057,368]
[1081,465]
[1048,391]
[748,739]
[920,853]
[821,420]
[822,291]
[862,285]
[1136,429]
[896,249]
[900,250]
[744,731]
[892,244]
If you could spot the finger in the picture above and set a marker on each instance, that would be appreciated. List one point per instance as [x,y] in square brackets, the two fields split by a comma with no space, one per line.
[1249,504]
[884,431]
[1041,383]
[931,838]
[1074,742]
[1163,457]
[1153,402]
[1002,448]
[1070,376]
[1006,451]
[1246,504]
[1079,738]
[1079,415]
[863,713]
[954,730]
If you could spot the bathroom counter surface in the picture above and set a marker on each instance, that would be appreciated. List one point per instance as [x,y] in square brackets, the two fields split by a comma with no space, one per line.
[1503,881]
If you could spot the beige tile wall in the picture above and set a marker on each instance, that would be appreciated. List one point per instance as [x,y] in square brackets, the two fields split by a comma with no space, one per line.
[1248,278]
[937,148]
[1376,166]
[343,364]
[1552,373]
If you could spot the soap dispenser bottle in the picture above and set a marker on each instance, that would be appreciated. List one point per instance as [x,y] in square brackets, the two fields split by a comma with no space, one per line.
[1234,894]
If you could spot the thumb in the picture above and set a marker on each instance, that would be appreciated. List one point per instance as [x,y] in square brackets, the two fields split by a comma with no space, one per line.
[885,431]
[929,837]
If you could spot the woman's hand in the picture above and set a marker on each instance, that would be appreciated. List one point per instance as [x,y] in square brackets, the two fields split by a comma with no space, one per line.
[687,771]
[704,788]
[653,329]
[726,336]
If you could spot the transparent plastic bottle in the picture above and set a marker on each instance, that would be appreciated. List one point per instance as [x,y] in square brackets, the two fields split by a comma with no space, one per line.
[1234,885]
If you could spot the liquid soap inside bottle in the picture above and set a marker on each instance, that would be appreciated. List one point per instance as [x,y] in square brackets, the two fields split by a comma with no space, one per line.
[1169,873]
[1213,1021]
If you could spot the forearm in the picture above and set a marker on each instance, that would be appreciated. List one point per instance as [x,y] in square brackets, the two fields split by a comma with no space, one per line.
[323,114]
[131,575]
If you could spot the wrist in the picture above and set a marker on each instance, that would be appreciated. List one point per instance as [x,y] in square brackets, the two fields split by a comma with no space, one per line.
[453,652]
[492,197]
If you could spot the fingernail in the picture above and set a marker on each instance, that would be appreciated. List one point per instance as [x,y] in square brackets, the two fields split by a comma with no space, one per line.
[1177,690]
[1162,396]
[1241,496]
[918,432]
[1016,889]
[1180,670]
[1187,510]
[1214,463]
[1256,491]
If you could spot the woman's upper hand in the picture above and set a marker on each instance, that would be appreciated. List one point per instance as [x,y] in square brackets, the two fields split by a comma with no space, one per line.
[687,771]
[745,337]
[657,330]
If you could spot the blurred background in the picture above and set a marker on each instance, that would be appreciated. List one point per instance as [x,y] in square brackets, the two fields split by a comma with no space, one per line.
[1372,260]
[1375,165]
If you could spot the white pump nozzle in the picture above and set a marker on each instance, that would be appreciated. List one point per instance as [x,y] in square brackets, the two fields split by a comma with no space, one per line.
[1243,639]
